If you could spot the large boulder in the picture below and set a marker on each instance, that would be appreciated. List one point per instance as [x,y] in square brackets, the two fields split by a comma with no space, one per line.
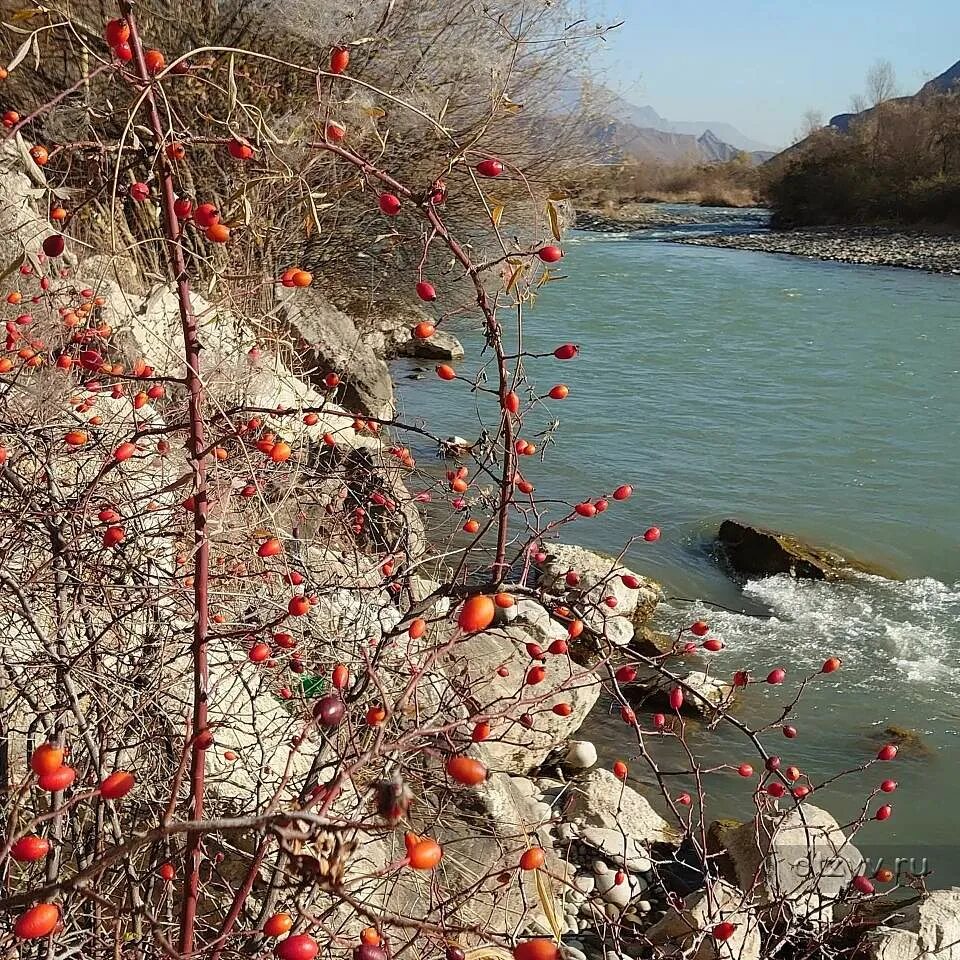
[758,552]
[475,665]
[930,927]
[601,577]
[329,342]
[801,858]
[601,800]
[688,932]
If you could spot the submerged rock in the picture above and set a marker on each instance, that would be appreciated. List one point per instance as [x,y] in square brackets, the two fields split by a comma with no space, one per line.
[758,552]
[909,742]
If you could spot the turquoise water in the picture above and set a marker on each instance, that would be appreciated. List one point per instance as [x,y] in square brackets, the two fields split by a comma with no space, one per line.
[823,399]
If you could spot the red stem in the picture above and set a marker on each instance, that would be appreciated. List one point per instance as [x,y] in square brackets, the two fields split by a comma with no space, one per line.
[201,542]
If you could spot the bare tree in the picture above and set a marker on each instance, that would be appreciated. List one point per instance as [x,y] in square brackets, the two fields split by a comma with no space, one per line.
[881,82]
[810,123]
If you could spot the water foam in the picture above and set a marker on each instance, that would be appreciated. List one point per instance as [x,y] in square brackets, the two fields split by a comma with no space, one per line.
[870,622]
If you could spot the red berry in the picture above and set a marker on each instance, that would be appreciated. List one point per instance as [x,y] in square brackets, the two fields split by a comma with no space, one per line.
[29,849]
[300,946]
[550,254]
[117,785]
[566,351]
[620,770]
[490,168]
[676,698]
[777,676]
[154,61]
[699,628]
[559,392]
[239,150]
[745,770]
[888,786]
[884,812]
[339,59]
[124,52]
[830,664]
[139,191]
[53,246]
[426,291]
[887,752]
[206,215]
[863,885]
[651,534]
[724,931]
[116,32]
[789,732]
[389,204]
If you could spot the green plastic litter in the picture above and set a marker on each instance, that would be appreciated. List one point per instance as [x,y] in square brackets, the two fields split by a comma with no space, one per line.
[313,686]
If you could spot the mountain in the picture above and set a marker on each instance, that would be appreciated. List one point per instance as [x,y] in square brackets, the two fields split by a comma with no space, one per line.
[946,82]
[648,118]
[625,131]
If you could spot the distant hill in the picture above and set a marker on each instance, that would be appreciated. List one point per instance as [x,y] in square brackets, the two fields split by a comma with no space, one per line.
[648,118]
[627,131]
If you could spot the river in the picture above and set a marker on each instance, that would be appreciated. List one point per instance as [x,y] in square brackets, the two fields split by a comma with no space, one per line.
[819,398]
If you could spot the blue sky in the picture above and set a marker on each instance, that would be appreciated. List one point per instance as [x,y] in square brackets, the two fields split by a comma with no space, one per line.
[759,64]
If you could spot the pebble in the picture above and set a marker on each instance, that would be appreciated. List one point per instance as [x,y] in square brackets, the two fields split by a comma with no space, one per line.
[572,950]
[619,894]
[584,884]
[600,868]
[644,906]
[580,755]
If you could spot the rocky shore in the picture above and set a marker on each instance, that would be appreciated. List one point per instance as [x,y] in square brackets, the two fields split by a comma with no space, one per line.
[870,246]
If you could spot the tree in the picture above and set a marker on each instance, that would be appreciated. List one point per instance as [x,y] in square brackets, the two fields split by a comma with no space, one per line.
[811,122]
[881,83]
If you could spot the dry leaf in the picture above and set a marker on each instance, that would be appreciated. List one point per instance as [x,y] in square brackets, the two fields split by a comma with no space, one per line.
[554,216]
[496,213]
[22,51]
[488,953]
[547,904]
[377,113]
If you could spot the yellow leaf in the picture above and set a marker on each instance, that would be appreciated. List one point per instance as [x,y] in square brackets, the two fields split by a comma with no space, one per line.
[376,113]
[25,14]
[554,220]
[514,277]
[547,904]
[558,195]
[496,213]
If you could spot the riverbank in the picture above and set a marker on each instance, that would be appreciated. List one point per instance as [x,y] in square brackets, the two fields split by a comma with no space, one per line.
[643,216]
[869,246]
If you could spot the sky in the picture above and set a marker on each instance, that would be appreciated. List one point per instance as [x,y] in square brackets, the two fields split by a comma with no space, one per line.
[761,64]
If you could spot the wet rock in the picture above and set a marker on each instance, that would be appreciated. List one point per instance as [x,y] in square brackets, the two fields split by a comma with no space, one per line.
[687,932]
[758,552]
[441,346]
[703,694]
[649,642]
[909,742]
[930,927]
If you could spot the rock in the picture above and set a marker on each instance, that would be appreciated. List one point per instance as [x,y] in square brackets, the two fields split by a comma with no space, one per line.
[649,642]
[580,755]
[930,927]
[687,932]
[909,742]
[774,857]
[572,950]
[605,803]
[757,552]
[473,665]
[610,891]
[718,836]
[620,849]
[331,343]
[600,577]
[441,346]
[703,694]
